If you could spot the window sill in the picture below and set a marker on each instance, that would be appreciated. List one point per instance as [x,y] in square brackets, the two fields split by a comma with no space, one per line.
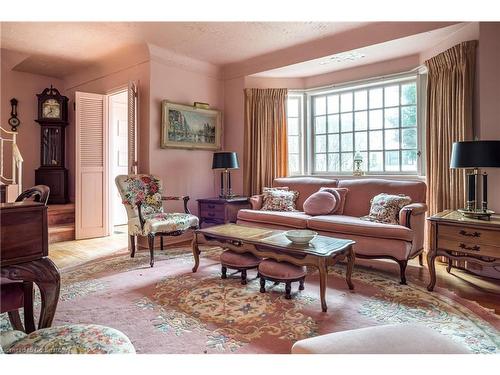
[351,177]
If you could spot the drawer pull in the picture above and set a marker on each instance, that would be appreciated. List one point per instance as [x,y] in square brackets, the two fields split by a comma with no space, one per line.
[211,206]
[472,248]
[467,234]
[211,214]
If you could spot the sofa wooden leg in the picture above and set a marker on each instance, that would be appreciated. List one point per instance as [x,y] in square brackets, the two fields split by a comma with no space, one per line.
[132,246]
[421,259]
[151,243]
[223,273]
[402,268]
[262,285]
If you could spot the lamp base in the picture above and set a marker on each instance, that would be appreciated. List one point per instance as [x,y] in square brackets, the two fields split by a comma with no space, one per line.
[476,214]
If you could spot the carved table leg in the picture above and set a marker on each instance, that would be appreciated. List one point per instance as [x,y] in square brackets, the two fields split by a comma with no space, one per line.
[431,256]
[350,265]
[45,275]
[448,268]
[323,274]
[196,253]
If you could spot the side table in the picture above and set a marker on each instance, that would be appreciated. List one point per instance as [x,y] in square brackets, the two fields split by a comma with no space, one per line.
[460,238]
[215,211]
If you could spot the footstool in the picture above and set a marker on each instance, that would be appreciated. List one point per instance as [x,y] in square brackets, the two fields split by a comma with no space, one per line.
[386,339]
[281,272]
[239,262]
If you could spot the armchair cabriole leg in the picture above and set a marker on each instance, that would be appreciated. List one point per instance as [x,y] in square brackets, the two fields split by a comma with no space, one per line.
[421,259]
[132,246]
[151,243]
[402,268]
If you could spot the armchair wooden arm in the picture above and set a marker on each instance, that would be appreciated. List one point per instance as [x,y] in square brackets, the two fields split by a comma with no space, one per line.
[185,198]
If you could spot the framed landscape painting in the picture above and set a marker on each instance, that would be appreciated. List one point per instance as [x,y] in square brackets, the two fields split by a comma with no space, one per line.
[184,126]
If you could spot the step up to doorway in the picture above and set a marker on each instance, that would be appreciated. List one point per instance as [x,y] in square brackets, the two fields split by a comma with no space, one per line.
[61,220]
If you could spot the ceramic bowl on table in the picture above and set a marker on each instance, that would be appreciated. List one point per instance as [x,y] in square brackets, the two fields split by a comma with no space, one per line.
[300,236]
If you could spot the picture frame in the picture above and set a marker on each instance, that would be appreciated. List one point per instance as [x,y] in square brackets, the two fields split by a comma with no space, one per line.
[189,127]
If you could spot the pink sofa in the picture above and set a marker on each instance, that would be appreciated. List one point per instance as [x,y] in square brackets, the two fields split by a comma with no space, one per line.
[373,240]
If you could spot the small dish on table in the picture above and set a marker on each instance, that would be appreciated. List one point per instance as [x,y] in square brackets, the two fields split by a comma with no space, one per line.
[300,236]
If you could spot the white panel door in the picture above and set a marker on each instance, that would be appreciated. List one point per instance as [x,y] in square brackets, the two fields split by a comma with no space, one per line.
[91,180]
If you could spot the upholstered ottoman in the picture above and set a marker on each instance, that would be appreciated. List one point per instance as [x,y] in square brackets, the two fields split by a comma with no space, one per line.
[239,262]
[281,272]
[67,339]
[387,339]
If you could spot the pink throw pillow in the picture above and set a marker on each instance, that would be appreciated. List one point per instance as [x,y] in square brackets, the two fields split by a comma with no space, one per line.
[340,195]
[320,203]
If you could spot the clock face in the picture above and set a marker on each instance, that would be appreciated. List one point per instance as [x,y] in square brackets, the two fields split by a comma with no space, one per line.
[13,121]
[51,108]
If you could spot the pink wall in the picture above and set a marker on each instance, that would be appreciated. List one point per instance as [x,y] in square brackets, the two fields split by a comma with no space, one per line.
[23,87]
[184,172]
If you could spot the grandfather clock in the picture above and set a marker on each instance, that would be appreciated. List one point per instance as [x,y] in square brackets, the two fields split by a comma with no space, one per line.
[53,119]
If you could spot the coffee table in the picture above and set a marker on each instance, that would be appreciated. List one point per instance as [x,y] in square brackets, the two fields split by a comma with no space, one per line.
[269,243]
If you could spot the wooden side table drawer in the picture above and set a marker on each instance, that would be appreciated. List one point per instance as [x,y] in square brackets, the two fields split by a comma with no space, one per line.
[470,235]
[469,247]
[206,214]
[212,207]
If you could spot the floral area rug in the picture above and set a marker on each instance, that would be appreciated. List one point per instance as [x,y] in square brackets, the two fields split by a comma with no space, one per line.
[169,309]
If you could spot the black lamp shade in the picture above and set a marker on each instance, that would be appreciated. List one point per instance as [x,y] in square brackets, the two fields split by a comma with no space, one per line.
[225,160]
[475,154]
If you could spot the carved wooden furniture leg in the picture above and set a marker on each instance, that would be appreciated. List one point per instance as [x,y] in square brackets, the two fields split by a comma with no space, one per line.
[45,275]
[301,284]
[15,320]
[262,285]
[288,290]
[223,273]
[243,277]
[323,275]
[351,257]
[151,243]
[161,242]
[196,253]
[421,259]
[402,268]
[132,246]
[29,319]
[431,256]
[448,268]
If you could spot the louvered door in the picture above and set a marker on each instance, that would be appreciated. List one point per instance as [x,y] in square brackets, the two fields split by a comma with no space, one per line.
[132,127]
[91,166]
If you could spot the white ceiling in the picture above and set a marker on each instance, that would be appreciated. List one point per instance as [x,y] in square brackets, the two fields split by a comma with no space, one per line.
[60,48]
[379,52]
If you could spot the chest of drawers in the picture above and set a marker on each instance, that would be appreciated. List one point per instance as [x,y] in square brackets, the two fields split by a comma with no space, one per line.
[459,238]
[215,211]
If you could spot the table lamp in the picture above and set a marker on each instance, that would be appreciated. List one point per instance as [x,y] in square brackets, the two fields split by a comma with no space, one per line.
[225,161]
[474,155]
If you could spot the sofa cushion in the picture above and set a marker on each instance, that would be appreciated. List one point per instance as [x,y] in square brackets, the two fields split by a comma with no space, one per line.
[385,208]
[321,203]
[288,219]
[361,191]
[279,200]
[340,194]
[305,186]
[354,225]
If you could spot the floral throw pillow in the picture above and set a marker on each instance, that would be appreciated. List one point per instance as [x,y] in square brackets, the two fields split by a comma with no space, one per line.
[385,208]
[277,199]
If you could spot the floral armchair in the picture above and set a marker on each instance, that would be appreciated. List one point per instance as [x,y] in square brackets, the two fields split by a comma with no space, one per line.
[142,196]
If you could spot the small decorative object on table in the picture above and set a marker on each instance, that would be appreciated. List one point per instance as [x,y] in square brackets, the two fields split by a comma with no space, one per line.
[300,236]
[459,237]
[225,161]
[213,211]
[475,155]
[191,127]
[358,161]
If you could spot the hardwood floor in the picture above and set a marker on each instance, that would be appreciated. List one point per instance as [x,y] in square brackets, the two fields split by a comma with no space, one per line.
[484,291]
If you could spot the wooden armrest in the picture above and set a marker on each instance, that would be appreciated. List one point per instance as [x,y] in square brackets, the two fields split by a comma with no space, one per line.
[185,198]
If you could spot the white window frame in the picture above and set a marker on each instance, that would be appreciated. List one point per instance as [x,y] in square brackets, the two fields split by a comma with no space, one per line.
[307,141]
[300,96]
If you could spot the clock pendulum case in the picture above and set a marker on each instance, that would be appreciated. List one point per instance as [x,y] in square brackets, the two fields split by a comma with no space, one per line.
[53,119]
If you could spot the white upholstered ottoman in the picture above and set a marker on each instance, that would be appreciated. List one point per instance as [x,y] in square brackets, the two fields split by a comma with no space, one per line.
[387,339]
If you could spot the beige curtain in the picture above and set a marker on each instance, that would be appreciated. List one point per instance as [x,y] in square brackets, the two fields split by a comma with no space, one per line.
[449,119]
[265,152]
